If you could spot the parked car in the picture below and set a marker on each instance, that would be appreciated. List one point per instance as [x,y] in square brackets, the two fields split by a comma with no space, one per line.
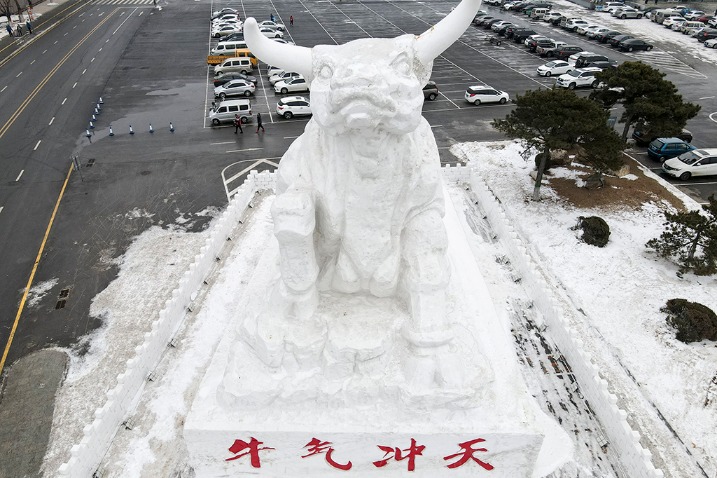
[668,21]
[520,35]
[556,67]
[550,49]
[694,14]
[565,52]
[580,77]
[226,30]
[607,36]
[489,24]
[572,59]
[497,25]
[430,91]
[224,11]
[627,12]
[479,22]
[688,27]
[706,34]
[274,25]
[643,135]
[292,85]
[607,5]
[270,32]
[284,75]
[573,25]
[550,16]
[700,162]
[503,28]
[511,29]
[239,36]
[584,29]
[235,88]
[291,106]
[634,44]
[485,94]
[584,60]
[592,34]
[661,149]
[617,39]
[227,77]
[711,43]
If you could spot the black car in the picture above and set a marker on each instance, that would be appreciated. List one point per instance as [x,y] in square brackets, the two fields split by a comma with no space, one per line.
[234,37]
[528,9]
[602,64]
[483,19]
[644,136]
[512,29]
[556,20]
[605,36]
[634,44]
[565,52]
[617,39]
[706,34]
[542,42]
[504,28]
[227,77]
[519,36]
[490,23]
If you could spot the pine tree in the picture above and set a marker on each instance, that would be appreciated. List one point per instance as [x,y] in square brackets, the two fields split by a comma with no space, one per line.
[690,238]
[646,96]
[548,120]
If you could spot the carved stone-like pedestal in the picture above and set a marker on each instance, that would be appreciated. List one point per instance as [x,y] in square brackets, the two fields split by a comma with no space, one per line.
[337,391]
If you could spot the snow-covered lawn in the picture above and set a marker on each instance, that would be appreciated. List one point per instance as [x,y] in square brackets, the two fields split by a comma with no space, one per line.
[620,288]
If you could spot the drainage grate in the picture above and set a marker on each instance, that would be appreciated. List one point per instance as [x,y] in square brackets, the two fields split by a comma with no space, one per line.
[60,304]
[64,293]
[90,162]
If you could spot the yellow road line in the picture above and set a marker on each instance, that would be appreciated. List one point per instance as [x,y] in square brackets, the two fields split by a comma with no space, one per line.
[34,270]
[39,87]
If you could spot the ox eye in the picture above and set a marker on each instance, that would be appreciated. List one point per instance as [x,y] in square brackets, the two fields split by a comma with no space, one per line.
[401,65]
[326,72]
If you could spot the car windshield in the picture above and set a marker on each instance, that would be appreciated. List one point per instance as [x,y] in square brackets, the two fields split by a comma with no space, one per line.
[691,157]
[574,73]
[553,64]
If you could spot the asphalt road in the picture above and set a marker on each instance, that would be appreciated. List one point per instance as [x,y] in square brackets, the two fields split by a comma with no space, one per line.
[148,65]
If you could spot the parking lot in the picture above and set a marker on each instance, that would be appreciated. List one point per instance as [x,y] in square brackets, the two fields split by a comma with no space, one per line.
[474,60]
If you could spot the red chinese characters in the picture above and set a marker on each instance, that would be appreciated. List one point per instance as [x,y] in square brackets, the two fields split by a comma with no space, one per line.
[397,454]
[467,454]
[252,449]
[317,446]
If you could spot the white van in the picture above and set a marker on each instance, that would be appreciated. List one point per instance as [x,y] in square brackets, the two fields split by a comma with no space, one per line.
[242,64]
[227,48]
[225,112]
[538,13]
[688,27]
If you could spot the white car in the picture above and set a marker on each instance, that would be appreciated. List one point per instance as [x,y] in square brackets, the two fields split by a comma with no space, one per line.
[550,16]
[580,77]
[609,7]
[597,31]
[694,14]
[235,88]
[224,11]
[226,18]
[557,67]
[584,29]
[574,57]
[698,162]
[298,83]
[627,12]
[284,75]
[485,94]
[712,43]
[527,41]
[273,70]
[274,25]
[271,33]
[671,20]
[573,25]
[291,106]
[226,30]
[498,25]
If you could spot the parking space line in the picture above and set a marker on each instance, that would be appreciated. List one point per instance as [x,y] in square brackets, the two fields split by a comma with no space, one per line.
[243,150]
[223,142]
[19,176]
[37,145]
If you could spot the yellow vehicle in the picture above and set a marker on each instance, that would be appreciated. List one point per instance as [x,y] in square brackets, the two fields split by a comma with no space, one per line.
[241,52]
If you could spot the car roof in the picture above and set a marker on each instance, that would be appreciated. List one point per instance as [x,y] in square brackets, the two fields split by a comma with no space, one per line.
[293,98]
[672,140]
[590,69]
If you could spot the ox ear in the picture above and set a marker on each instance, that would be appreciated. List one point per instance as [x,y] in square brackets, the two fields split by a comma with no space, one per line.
[289,57]
[435,40]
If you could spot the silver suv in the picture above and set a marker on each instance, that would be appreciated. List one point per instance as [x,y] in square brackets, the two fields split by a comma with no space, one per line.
[580,77]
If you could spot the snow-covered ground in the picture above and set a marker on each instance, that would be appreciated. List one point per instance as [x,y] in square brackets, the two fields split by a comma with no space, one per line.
[617,289]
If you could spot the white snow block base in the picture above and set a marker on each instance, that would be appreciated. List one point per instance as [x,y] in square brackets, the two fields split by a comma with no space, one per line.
[353,404]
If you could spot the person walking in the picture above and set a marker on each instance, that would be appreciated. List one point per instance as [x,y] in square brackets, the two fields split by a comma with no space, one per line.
[272,17]
[19,29]
[259,125]
[29,27]
[9,29]
[291,20]
[237,124]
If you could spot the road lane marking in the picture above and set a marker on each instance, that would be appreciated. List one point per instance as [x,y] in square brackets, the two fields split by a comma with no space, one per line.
[18,75]
[706,98]
[73,86]
[63,101]
[242,150]
[34,270]
[47,78]
[53,119]
[19,176]
[55,42]
[44,52]
[38,144]
[1,208]
[33,61]
[3,88]
[65,34]
[99,50]
[120,25]
[223,142]
[84,71]
[93,59]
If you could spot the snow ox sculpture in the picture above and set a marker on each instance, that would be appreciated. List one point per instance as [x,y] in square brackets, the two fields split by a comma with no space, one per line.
[359,202]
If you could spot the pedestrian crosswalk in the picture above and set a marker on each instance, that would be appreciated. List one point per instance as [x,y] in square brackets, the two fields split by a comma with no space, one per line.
[664,61]
[122,2]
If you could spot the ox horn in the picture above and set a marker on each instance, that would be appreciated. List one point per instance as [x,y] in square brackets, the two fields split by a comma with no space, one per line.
[289,57]
[435,40]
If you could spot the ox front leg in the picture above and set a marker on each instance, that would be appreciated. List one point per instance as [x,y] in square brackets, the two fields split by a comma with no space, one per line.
[426,275]
[294,217]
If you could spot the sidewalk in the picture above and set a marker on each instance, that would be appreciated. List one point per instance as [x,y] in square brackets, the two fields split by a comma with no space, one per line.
[37,12]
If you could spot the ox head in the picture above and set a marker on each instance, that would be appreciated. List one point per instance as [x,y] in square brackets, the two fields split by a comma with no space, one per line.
[367,84]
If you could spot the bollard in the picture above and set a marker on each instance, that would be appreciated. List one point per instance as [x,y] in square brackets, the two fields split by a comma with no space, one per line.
[111,132]
[99,108]
[171,127]
[101,102]
[131,131]
[94,118]
[96,111]
[151,130]
[89,135]
[92,125]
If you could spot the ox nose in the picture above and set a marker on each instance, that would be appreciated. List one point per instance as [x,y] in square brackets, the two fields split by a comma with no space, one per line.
[359,76]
